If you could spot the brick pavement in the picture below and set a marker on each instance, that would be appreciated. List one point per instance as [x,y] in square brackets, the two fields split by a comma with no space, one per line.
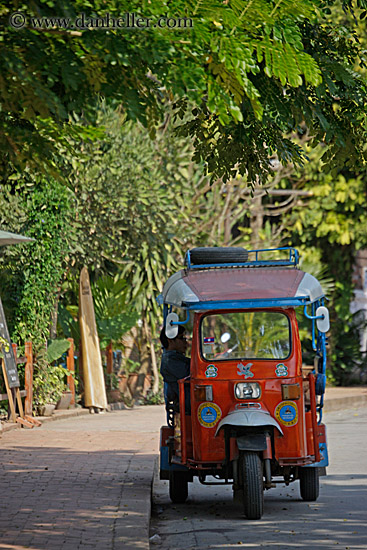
[79,483]
[85,482]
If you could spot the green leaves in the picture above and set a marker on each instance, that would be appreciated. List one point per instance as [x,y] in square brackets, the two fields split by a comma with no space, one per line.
[329,228]
[223,61]
[114,314]
[43,210]
[56,349]
[286,63]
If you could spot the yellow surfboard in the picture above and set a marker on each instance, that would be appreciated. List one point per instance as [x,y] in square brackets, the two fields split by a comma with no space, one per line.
[94,384]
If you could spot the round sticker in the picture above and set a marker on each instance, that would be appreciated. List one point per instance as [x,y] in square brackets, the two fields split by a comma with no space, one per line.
[287,413]
[209,414]
[281,370]
[211,371]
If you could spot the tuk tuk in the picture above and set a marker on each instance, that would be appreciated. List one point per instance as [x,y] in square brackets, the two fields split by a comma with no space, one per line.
[255,415]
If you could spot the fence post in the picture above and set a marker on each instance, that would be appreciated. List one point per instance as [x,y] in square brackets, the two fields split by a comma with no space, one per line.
[13,390]
[70,364]
[28,378]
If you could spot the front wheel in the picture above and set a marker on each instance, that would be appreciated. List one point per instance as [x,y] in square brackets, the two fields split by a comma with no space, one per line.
[309,483]
[253,487]
[178,487]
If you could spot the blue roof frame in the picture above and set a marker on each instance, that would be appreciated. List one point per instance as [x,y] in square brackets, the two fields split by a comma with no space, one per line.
[253,304]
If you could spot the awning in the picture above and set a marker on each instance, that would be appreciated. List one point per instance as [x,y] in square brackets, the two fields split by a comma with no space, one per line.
[232,285]
[12,238]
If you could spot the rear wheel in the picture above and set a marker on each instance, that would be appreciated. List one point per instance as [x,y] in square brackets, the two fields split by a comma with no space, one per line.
[309,483]
[178,487]
[253,487]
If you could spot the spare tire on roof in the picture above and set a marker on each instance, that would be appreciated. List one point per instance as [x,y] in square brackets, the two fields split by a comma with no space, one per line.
[218,255]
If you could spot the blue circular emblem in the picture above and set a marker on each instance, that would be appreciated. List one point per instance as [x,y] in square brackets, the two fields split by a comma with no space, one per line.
[209,414]
[287,413]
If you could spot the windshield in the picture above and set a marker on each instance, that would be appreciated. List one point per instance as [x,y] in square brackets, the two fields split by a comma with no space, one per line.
[245,335]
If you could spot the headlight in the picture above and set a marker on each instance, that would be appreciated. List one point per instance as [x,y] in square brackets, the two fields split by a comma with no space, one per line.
[247,390]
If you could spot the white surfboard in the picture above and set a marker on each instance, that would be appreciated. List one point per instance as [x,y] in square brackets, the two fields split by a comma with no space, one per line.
[94,383]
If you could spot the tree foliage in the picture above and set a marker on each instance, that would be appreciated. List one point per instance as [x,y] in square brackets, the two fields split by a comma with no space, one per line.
[244,83]
[254,71]
[32,272]
[330,226]
[114,314]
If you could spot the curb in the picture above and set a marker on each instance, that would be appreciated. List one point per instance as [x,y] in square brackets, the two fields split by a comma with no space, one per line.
[348,402]
[61,415]
[57,415]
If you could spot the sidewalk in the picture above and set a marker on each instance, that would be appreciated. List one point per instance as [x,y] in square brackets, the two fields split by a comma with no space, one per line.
[80,483]
[86,482]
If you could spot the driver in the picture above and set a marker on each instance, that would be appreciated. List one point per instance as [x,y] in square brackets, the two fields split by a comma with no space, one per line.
[175,365]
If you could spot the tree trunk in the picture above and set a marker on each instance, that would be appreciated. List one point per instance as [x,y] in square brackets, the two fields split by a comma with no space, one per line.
[153,358]
[257,217]
[140,391]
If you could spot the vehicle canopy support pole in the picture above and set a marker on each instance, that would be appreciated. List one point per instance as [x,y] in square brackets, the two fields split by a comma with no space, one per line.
[181,391]
[311,380]
[182,322]
[313,317]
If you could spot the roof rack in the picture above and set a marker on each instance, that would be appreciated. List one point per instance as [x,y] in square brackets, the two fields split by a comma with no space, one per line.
[290,261]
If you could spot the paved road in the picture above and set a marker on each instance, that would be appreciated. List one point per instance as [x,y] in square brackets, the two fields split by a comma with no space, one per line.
[210,519]
[79,483]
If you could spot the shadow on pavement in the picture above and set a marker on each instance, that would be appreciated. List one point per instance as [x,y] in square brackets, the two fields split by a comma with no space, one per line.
[54,497]
[210,518]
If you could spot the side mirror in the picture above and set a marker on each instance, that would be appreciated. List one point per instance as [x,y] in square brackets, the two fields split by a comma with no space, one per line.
[171,329]
[323,324]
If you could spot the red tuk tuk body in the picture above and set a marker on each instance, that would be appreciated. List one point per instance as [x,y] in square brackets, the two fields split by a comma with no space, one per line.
[206,447]
[255,415]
